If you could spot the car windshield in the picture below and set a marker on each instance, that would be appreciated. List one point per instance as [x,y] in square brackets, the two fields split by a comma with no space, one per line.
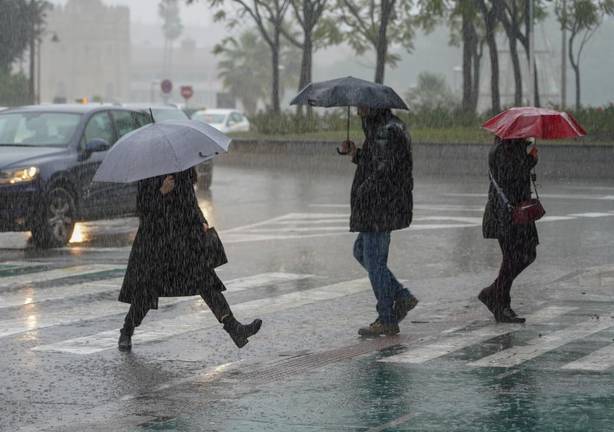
[169,114]
[210,118]
[37,128]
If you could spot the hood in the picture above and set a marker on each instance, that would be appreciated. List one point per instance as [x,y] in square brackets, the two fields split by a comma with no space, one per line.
[17,156]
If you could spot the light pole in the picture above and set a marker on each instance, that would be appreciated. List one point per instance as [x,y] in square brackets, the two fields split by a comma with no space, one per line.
[54,39]
[531,52]
[564,56]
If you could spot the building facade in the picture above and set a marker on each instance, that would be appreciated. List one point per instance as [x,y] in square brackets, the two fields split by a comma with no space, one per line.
[86,52]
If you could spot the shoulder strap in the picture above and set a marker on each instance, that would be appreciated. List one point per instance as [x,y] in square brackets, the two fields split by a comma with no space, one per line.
[499,191]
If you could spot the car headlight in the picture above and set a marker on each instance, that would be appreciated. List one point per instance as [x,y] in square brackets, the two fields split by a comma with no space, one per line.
[20,175]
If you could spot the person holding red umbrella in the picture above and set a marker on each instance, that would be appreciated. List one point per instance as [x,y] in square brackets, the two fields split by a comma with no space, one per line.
[511,211]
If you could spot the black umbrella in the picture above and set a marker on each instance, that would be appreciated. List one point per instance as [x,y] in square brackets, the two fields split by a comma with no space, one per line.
[349,92]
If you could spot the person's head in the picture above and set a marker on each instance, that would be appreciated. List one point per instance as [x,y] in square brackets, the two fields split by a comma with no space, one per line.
[363,111]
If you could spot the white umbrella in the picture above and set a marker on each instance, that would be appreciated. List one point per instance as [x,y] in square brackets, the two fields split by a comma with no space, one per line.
[161,148]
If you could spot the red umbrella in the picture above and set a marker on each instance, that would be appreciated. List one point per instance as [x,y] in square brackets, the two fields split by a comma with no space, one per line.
[530,122]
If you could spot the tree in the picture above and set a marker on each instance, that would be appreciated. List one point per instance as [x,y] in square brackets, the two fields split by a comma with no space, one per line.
[431,92]
[490,12]
[15,31]
[377,24]
[317,31]
[581,18]
[245,75]
[268,16]
[172,28]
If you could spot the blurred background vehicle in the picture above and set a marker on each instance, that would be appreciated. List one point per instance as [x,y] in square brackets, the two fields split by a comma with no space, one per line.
[225,120]
[48,157]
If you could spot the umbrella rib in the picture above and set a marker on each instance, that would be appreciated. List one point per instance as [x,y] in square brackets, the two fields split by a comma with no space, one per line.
[171,146]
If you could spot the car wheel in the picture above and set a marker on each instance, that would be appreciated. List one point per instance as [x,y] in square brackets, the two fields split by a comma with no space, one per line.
[57,221]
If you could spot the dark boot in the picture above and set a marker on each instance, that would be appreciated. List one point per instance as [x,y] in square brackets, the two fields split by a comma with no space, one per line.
[487,297]
[403,305]
[507,315]
[239,332]
[125,341]
[376,328]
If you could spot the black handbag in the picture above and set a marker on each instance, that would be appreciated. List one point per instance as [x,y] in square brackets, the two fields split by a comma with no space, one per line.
[525,212]
[215,255]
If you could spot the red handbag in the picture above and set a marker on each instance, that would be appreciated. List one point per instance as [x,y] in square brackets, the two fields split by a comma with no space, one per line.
[524,212]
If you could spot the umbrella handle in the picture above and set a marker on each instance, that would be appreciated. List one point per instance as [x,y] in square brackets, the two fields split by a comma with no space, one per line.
[342,153]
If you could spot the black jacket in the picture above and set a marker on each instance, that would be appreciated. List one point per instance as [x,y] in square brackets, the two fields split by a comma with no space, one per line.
[167,257]
[381,198]
[511,167]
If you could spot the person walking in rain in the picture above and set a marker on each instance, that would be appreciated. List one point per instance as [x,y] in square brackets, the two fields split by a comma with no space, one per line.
[510,172]
[168,257]
[381,202]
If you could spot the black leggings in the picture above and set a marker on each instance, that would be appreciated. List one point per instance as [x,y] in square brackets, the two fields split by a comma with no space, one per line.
[214,299]
[517,256]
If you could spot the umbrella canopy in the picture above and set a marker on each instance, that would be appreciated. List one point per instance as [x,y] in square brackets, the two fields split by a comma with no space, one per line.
[530,122]
[161,148]
[349,92]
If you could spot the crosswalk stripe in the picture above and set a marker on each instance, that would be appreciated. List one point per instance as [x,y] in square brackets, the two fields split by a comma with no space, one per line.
[515,356]
[455,342]
[597,361]
[35,295]
[12,281]
[101,308]
[161,329]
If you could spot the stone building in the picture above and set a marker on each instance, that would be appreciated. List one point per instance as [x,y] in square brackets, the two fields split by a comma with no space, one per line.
[85,52]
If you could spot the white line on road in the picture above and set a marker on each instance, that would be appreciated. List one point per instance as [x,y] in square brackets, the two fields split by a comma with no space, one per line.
[37,295]
[11,281]
[455,342]
[598,361]
[93,310]
[535,347]
[162,329]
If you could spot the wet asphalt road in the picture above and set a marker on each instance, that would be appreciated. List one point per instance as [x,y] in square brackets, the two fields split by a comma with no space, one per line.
[452,367]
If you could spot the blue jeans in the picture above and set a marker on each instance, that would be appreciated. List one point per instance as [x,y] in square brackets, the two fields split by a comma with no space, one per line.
[371,251]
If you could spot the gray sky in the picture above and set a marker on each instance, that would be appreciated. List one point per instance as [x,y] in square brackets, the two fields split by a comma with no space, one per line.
[146,11]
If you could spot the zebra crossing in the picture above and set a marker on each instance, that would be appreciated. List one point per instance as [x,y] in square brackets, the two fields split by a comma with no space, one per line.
[84,293]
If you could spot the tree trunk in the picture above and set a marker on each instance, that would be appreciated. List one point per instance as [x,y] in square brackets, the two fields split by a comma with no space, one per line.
[469,53]
[517,70]
[381,47]
[576,71]
[477,74]
[275,104]
[575,65]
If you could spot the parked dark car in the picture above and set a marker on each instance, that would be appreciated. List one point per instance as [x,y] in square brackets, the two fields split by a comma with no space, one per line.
[48,157]
[170,112]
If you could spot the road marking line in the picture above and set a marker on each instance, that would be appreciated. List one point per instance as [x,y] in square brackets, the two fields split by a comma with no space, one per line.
[597,361]
[12,281]
[591,215]
[396,422]
[515,356]
[468,220]
[162,329]
[456,342]
[39,319]
[37,295]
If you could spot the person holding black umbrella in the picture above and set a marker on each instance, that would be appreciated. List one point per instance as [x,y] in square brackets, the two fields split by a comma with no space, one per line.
[381,202]
[169,257]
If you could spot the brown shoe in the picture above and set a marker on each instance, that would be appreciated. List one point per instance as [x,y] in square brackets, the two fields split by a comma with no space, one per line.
[378,329]
[403,306]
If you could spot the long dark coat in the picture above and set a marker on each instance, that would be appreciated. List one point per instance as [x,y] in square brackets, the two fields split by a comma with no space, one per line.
[167,257]
[511,167]
[381,198]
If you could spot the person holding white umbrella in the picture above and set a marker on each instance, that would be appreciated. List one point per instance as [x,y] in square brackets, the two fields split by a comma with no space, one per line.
[175,251]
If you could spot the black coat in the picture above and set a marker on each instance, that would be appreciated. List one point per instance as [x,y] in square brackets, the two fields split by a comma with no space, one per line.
[511,167]
[167,257]
[381,197]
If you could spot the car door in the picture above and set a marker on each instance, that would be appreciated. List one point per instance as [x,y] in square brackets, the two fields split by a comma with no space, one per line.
[125,122]
[97,199]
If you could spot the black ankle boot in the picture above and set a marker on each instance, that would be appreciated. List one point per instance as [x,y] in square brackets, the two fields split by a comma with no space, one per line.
[125,341]
[239,332]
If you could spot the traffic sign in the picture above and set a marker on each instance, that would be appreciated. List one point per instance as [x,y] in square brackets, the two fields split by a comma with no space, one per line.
[166,86]
[187,92]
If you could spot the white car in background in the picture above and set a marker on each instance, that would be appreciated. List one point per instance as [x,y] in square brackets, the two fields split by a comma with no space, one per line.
[224,120]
